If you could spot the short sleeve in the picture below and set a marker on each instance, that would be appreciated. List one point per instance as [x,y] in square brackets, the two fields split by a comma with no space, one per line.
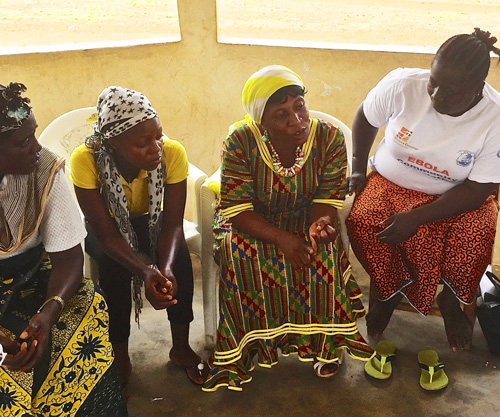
[237,191]
[62,226]
[83,168]
[175,159]
[378,106]
[332,187]
[486,168]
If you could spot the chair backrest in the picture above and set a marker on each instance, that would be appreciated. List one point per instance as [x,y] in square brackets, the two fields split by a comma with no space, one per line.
[345,129]
[68,131]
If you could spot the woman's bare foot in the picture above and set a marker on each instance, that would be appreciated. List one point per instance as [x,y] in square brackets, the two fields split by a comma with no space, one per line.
[380,314]
[196,369]
[182,355]
[458,327]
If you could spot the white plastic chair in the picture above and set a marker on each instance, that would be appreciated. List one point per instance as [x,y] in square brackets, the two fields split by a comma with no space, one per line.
[68,131]
[208,201]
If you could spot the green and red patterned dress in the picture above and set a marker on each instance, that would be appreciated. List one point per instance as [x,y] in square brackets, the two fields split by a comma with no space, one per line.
[265,304]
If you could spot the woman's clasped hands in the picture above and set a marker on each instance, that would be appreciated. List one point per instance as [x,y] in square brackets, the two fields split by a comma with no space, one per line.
[23,354]
[301,253]
[322,231]
[160,289]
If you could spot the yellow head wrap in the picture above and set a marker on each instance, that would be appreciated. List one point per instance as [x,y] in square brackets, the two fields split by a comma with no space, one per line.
[262,85]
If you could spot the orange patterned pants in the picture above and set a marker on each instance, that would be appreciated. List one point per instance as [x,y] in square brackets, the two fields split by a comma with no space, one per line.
[455,250]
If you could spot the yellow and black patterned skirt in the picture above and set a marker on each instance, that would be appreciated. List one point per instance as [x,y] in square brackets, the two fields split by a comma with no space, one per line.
[76,375]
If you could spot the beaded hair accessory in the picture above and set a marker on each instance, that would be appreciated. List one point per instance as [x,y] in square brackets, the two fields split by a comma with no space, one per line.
[14,109]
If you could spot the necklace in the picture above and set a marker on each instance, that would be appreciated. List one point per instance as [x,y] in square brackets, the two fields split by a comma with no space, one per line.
[290,171]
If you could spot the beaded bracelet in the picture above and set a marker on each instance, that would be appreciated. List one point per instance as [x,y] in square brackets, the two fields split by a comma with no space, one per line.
[54,298]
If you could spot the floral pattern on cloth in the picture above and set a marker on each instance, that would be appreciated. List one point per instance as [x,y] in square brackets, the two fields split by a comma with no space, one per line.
[80,355]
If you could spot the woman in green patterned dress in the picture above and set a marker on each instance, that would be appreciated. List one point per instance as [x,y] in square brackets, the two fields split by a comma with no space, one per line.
[285,281]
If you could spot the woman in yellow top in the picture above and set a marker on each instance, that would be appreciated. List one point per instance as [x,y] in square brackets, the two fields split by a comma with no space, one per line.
[122,175]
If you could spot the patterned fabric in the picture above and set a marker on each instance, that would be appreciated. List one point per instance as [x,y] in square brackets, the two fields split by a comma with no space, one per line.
[265,304]
[262,85]
[76,375]
[456,250]
[24,213]
[118,110]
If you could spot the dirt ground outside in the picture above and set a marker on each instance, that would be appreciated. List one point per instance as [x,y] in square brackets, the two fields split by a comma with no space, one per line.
[379,22]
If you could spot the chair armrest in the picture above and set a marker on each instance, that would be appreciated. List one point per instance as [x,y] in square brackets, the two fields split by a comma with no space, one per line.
[195,180]
[209,269]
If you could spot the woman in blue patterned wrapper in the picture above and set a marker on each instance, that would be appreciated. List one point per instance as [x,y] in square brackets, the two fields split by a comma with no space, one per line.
[53,323]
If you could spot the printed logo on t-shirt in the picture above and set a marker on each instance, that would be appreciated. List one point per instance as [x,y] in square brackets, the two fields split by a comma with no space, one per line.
[464,158]
[404,134]
[428,169]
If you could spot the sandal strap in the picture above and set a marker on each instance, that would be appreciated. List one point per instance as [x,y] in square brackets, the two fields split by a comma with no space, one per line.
[317,366]
[431,369]
[388,358]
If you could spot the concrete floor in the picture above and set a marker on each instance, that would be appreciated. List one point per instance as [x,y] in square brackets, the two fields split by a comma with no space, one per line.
[159,388]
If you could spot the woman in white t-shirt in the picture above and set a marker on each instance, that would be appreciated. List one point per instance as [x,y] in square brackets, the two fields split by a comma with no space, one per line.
[427,213]
[58,359]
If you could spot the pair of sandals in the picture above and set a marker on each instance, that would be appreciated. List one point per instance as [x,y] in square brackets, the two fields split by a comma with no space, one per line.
[432,375]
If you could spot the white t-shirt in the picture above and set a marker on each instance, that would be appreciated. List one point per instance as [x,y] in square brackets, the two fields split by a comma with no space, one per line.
[424,150]
[62,226]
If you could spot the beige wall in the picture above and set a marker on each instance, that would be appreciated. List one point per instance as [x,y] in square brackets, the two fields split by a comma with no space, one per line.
[195,84]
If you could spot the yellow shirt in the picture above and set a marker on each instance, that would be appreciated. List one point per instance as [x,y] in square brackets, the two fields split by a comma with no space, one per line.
[84,174]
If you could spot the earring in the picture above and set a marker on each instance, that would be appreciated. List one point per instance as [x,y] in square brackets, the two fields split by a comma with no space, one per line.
[265,138]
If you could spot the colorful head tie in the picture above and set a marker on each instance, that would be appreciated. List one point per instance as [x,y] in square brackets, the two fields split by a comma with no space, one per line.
[262,85]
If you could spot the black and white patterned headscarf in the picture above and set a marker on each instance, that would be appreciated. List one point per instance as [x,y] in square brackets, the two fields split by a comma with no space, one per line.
[118,110]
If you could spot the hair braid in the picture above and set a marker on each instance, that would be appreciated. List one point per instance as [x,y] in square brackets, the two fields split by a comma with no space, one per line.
[470,53]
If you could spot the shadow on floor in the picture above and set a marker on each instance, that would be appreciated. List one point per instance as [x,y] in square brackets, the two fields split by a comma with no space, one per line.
[159,388]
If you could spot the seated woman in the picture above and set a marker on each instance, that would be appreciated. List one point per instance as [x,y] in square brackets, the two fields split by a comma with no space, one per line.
[285,281]
[53,324]
[426,213]
[122,175]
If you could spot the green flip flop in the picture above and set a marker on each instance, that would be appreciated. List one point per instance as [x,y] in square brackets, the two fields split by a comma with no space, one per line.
[379,366]
[432,376]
